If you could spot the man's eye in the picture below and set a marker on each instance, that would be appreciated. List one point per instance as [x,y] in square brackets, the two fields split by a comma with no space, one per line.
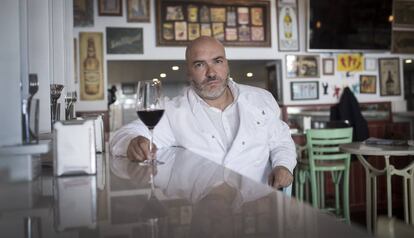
[219,61]
[198,65]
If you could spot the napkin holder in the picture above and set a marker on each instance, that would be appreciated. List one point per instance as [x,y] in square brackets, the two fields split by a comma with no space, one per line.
[74,147]
[99,131]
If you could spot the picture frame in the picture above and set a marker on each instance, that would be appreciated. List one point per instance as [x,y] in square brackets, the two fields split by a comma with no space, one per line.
[367,84]
[91,66]
[275,80]
[138,11]
[328,66]
[124,40]
[302,66]
[129,88]
[243,23]
[389,76]
[402,41]
[110,7]
[304,90]
[288,28]
[83,13]
[370,64]
[403,12]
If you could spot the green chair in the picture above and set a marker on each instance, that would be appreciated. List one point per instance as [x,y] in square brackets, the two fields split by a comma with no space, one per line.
[324,156]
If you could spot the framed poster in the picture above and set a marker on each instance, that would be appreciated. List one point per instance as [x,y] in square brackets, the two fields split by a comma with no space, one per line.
[233,22]
[138,10]
[91,62]
[302,66]
[368,84]
[402,41]
[370,64]
[275,80]
[124,40]
[403,13]
[82,13]
[110,7]
[389,76]
[288,33]
[328,66]
[304,90]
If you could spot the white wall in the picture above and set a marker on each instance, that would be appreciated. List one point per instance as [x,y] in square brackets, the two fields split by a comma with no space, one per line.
[10,72]
[152,52]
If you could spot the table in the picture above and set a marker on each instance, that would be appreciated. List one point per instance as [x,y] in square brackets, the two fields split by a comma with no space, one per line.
[188,196]
[360,149]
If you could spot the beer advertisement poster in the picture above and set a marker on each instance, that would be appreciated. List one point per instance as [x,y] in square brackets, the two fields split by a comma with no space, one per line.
[91,62]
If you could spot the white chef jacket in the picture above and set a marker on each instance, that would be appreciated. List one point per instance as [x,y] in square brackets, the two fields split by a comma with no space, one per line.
[262,142]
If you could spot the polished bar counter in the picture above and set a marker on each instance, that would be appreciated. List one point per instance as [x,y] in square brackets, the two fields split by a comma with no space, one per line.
[188,196]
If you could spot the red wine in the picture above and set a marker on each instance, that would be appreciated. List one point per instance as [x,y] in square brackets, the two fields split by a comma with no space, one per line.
[150,118]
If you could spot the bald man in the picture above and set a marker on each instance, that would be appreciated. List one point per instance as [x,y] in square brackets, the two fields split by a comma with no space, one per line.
[235,125]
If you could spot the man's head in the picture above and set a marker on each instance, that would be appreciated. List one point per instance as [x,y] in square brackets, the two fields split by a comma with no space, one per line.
[207,67]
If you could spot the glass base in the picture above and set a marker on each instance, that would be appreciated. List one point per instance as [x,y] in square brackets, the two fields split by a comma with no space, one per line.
[151,162]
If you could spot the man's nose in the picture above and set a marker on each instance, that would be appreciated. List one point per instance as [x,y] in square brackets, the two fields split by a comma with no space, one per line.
[211,72]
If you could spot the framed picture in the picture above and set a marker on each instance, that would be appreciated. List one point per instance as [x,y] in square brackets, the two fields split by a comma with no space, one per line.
[328,66]
[304,90]
[275,80]
[403,13]
[124,40]
[370,64]
[302,66]
[368,84]
[91,66]
[389,76]
[138,10]
[288,33]
[82,13]
[233,22]
[402,42]
[110,7]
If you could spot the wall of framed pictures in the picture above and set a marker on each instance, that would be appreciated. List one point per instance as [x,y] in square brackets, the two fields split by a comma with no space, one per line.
[233,22]
[261,30]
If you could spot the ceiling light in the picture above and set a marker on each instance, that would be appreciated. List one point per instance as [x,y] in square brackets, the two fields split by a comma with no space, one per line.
[175,67]
[249,74]
[163,75]
[408,61]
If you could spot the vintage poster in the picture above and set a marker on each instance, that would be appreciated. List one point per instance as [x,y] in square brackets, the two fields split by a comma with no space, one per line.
[302,66]
[91,70]
[368,84]
[180,30]
[218,14]
[82,13]
[124,40]
[205,29]
[174,13]
[204,14]
[350,62]
[288,27]
[257,33]
[257,16]
[244,33]
[192,12]
[243,15]
[231,16]
[168,31]
[138,10]
[218,31]
[193,31]
[231,34]
[389,76]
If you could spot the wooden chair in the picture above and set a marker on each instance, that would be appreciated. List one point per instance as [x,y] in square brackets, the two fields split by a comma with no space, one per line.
[324,156]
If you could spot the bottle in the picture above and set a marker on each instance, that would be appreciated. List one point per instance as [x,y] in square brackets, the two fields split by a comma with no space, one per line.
[287,24]
[389,84]
[91,70]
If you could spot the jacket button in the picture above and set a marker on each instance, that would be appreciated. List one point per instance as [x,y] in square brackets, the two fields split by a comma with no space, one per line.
[258,123]
[213,136]
[243,143]
[263,112]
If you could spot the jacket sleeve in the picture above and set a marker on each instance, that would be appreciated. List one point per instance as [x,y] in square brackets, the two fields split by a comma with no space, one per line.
[282,147]
[119,142]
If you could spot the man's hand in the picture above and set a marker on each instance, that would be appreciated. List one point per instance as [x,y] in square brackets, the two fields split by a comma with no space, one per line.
[280,177]
[138,149]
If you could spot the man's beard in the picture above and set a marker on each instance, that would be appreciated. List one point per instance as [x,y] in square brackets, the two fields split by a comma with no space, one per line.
[210,94]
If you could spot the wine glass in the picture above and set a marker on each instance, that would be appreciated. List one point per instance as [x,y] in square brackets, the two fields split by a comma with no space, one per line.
[150,108]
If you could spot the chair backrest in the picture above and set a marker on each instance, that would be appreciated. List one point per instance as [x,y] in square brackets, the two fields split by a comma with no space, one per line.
[323,144]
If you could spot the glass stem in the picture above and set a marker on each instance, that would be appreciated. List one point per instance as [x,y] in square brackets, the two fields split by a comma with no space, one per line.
[150,145]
